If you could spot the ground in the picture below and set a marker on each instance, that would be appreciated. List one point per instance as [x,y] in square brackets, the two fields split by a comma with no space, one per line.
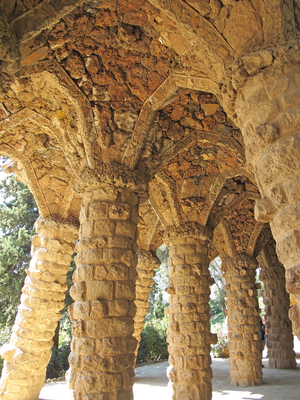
[151,382]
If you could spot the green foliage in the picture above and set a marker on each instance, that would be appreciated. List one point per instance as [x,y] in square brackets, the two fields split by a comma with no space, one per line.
[18,213]
[157,304]
[220,349]
[65,330]
[153,345]
[4,338]
[58,364]
[218,292]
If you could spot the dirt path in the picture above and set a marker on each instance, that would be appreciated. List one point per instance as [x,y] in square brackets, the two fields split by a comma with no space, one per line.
[151,383]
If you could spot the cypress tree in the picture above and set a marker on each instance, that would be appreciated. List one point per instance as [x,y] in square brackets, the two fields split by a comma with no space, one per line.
[18,212]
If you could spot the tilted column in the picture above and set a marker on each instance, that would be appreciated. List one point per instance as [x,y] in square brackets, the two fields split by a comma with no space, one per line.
[268,109]
[189,327]
[29,351]
[103,348]
[245,344]
[280,339]
[147,262]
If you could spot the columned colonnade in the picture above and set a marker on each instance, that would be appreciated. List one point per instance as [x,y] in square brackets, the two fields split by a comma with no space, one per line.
[106,106]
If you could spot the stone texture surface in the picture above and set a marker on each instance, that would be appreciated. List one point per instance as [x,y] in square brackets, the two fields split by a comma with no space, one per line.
[103,347]
[277,303]
[245,345]
[189,334]
[147,262]
[198,100]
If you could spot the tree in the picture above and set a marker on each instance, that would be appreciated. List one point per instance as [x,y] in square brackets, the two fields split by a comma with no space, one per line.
[18,213]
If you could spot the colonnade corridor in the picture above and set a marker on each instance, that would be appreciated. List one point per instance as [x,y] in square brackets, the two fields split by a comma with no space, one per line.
[151,382]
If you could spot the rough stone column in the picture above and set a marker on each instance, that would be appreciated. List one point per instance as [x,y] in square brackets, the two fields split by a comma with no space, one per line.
[103,348]
[268,83]
[147,262]
[277,301]
[245,345]
[189,327]
[29,351]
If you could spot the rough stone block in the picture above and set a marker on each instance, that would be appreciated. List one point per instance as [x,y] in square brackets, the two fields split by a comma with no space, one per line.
[118,308]
[83,273]
[77,291]
[125,290]
[119,211]
[97,210]
[109,328]
[99,290]
[126,228]
[103,228]
[117,272]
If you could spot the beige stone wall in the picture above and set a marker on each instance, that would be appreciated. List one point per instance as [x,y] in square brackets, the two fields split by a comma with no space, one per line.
[29,351]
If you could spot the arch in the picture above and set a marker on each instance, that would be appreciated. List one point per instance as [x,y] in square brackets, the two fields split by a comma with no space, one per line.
[163,95]
[218,185]
[200,136]
[77,131]
[31,180]
[18,120]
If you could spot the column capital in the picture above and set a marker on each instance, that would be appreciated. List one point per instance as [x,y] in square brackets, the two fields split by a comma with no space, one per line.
[57,227]
[114,174]
[188,230]
[240,261]
[147,257]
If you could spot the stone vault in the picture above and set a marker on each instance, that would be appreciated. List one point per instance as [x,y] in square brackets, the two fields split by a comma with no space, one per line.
[137,123]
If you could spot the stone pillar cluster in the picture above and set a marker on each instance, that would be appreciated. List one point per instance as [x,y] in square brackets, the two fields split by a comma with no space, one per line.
[280,340]
[29,351]
[189,327]
[103,348]
[245,344]
[147,262]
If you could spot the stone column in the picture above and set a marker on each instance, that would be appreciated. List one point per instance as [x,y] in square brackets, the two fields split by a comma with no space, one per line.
[29,351]
[103,348]
[268,83]
[147,262]
[276,299]
[189,327]
[245,345]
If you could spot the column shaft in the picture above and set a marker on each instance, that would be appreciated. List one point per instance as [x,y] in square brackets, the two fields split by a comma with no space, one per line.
[280,339]
[102,351]
[145,271]
[245,344]
[29,351]
[268,113]
[189,327]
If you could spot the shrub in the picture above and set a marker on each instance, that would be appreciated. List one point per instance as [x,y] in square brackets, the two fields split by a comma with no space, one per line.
[220,349]
[4,338]
[153,345]
[58,364]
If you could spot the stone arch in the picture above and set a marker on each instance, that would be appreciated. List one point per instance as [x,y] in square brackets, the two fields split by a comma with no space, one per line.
[31,178]
[74,124]
[26,122]
[194,137]
[164,94]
